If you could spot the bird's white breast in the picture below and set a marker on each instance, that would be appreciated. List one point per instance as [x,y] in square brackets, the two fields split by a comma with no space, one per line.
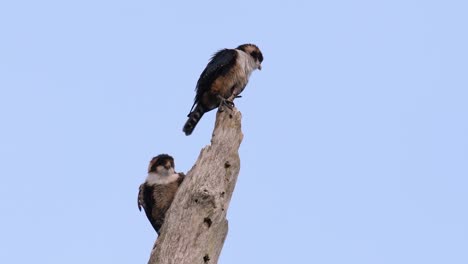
[155,178]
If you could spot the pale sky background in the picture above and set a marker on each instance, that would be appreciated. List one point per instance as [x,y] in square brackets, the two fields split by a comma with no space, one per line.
[356,132]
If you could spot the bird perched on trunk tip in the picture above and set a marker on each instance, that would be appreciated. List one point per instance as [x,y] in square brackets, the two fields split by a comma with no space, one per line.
[157,192]
[223,79]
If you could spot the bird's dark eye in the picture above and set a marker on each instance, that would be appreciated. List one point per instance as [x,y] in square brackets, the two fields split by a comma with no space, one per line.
[260,57]
[254,54]
[257,55]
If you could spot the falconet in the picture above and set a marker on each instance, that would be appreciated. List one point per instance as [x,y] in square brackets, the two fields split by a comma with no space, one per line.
[157,192]
[223,79]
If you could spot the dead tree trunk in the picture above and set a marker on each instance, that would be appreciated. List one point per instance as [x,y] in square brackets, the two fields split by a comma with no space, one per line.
[195,226]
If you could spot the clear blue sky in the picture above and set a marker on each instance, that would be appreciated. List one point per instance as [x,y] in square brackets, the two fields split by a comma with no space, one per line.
[356,132]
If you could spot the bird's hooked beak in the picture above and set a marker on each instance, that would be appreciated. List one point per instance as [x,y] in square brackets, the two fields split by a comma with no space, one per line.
[259,67]
[168,165]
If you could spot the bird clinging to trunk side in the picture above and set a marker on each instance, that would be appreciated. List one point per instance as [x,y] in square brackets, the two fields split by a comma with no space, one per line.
[157,192]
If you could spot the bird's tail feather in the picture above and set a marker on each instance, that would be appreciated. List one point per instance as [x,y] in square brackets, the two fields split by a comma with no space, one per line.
[193,119]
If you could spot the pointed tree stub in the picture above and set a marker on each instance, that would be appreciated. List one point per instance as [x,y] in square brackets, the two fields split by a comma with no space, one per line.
[195,226]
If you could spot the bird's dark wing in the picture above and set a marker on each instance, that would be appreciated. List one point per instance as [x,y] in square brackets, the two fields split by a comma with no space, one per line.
[181,178]
[146,200]
[219,65]
[141,201]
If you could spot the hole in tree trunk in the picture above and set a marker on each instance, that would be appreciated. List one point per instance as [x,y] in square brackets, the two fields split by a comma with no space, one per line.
[207,222]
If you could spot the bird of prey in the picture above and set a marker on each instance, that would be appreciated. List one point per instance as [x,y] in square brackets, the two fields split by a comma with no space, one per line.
[223,79]
[157,192]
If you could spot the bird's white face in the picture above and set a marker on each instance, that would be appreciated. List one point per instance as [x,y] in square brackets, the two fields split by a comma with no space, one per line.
[161,171]
[251,57]
[162,175]
[165,170]
[255,53]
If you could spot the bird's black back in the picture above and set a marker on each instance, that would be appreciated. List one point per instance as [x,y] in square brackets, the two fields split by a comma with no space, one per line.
[221,62]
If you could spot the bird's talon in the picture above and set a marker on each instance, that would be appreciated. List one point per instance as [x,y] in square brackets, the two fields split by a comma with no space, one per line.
[229,104]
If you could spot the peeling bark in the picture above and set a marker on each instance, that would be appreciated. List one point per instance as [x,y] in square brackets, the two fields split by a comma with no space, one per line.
[196,226]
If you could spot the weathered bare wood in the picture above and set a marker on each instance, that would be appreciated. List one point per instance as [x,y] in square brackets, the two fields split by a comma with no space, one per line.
[196,227]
